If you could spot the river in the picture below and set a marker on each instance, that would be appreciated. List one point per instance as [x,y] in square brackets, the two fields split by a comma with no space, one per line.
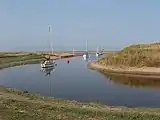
[74,81]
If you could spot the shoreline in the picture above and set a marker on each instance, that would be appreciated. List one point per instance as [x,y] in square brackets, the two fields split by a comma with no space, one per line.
[148,72]
[28,60]
[17,105]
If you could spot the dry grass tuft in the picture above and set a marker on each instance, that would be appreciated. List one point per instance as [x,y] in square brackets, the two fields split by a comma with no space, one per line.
[135,56]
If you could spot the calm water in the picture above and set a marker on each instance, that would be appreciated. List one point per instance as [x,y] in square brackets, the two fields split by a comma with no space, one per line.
[76,81]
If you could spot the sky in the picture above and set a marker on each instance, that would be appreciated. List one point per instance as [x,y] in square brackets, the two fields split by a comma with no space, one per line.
[111,24]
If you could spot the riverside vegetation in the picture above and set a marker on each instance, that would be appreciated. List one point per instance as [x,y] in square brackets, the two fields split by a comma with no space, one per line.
[19,58]
[141,55]
[9,59]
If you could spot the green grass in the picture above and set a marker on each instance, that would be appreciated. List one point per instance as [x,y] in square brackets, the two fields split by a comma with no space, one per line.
[10,59]
[15,105]
[19,58]
[135,56]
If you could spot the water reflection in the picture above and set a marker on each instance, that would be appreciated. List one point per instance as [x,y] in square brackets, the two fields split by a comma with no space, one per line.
[85,59]
[48,70]
[133,81]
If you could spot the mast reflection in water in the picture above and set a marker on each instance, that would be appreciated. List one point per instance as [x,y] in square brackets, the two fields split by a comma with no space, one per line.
[48,70]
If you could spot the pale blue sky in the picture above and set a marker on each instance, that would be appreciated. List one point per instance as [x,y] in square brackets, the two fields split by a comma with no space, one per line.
[110,23]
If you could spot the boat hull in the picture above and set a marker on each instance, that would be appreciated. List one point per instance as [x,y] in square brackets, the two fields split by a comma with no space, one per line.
[47,66]
[99,54]
[43,65]
[85,56]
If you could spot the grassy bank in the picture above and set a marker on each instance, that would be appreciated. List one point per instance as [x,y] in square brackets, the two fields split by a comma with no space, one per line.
[20,58]
[16,105]
[11,59]
[140,55]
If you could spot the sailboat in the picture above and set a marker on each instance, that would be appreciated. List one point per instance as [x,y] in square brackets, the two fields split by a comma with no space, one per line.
[48,62]
[86,55]
[99,53]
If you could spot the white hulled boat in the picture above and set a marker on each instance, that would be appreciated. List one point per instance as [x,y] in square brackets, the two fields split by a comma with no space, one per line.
[99,53]
[48,63]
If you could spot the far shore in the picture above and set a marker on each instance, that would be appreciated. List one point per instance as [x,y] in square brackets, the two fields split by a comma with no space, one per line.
[11,59]
[144,72]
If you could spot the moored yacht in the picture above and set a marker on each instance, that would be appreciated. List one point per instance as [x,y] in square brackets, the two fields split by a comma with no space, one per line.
[99,53]
[86,54]
[48,62]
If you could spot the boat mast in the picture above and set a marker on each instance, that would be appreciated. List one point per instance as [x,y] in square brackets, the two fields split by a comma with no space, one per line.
[86,45]
[97,49]
[73,51]
[50,39]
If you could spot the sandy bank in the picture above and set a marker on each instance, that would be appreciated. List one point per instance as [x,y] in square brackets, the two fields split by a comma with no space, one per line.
[151,72]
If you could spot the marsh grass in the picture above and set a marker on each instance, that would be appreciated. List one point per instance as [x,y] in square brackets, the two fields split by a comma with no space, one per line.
[19,58]
[135,56]
[15,105]
[10,59]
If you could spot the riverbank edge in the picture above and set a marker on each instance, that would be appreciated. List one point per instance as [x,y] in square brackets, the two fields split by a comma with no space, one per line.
[17,99]
[33,61]
[144,72]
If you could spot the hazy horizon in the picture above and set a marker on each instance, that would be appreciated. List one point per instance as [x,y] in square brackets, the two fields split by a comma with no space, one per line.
[112,24]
